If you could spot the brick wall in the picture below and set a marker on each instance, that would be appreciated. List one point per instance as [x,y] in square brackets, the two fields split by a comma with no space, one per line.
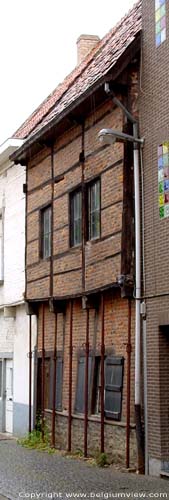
[102,258]
[154,107]
[116,331]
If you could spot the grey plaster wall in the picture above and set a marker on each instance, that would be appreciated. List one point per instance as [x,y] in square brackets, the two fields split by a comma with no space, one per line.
[20,419]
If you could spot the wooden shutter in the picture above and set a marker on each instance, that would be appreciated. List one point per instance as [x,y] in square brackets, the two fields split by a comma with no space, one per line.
[79,403]
[113,387]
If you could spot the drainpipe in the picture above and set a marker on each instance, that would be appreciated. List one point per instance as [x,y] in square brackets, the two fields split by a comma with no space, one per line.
[30,373]
[137,266]
[139,435]
[137,278]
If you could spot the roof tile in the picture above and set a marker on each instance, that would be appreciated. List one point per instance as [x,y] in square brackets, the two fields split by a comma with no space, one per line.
[98,62]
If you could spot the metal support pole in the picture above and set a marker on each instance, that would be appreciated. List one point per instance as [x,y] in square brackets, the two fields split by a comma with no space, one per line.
[102,373]
[145,397]
[54,383]
[43,368]
[30,373]
[86,383]
[128,349]
[70,379]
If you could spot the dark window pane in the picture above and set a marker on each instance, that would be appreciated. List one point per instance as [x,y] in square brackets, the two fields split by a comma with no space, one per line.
[46,232]
[79,405]
[94,210]
[59,379]
[76,218]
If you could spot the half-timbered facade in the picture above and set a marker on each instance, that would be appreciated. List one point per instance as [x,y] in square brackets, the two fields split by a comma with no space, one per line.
[80,251]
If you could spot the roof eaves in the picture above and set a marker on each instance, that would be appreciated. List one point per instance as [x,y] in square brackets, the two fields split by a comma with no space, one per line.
[57,118]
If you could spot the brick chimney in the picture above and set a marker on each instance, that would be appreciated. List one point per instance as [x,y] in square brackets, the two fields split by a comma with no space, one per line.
[85,43]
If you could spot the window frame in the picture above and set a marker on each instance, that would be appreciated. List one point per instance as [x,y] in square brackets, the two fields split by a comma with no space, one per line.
[41,235]
[49,358]
[94,385]
[89,211]
[72,194]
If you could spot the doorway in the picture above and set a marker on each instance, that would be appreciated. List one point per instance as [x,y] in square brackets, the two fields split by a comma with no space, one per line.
[9,396]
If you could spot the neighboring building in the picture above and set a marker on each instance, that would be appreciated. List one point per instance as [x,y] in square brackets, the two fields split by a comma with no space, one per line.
[79,240]
[154,102]
[14,333]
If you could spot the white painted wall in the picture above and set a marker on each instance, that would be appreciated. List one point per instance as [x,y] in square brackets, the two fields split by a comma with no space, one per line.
[12,200]
[14,331]
[21,359]
[7,331]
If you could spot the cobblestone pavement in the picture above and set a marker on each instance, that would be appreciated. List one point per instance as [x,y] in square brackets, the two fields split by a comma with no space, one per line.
[26,473]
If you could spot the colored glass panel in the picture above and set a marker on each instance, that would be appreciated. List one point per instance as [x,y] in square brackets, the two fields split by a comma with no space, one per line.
[160,162]
[160,175]
[163,179]
[166,185]
[161,212]
[160,21]
[163,35]
[166,211]
[161,187]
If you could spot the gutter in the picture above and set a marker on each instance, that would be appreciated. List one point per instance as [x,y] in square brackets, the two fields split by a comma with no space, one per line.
[57,119]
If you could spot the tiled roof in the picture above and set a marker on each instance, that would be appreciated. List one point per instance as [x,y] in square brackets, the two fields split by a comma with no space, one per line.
[97,64]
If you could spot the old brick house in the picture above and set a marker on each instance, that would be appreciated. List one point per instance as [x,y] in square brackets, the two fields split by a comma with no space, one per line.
[79,240]
[154,113]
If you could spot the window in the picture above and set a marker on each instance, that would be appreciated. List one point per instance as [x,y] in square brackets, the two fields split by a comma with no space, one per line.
[76,218]
[1,249]
[112,389]
[0,378]
[46,232]
[79,404]
[94,210]
[160,21]
[48,377]
[96,391]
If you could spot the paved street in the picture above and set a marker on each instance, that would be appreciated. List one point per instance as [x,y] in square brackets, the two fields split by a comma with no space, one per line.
[28,473]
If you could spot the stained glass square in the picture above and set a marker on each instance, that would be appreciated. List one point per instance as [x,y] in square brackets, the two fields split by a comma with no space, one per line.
[161,187]
[158,15]
[160,175]
[160,162]
[161,200]
[158,39]
[161,212]
[162,11]
[166,172]
[165,147]
[166,211]
[157,4]
[166,185]
[163,35]
[165,160]
[166,198]
[158,27]
[163,22]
